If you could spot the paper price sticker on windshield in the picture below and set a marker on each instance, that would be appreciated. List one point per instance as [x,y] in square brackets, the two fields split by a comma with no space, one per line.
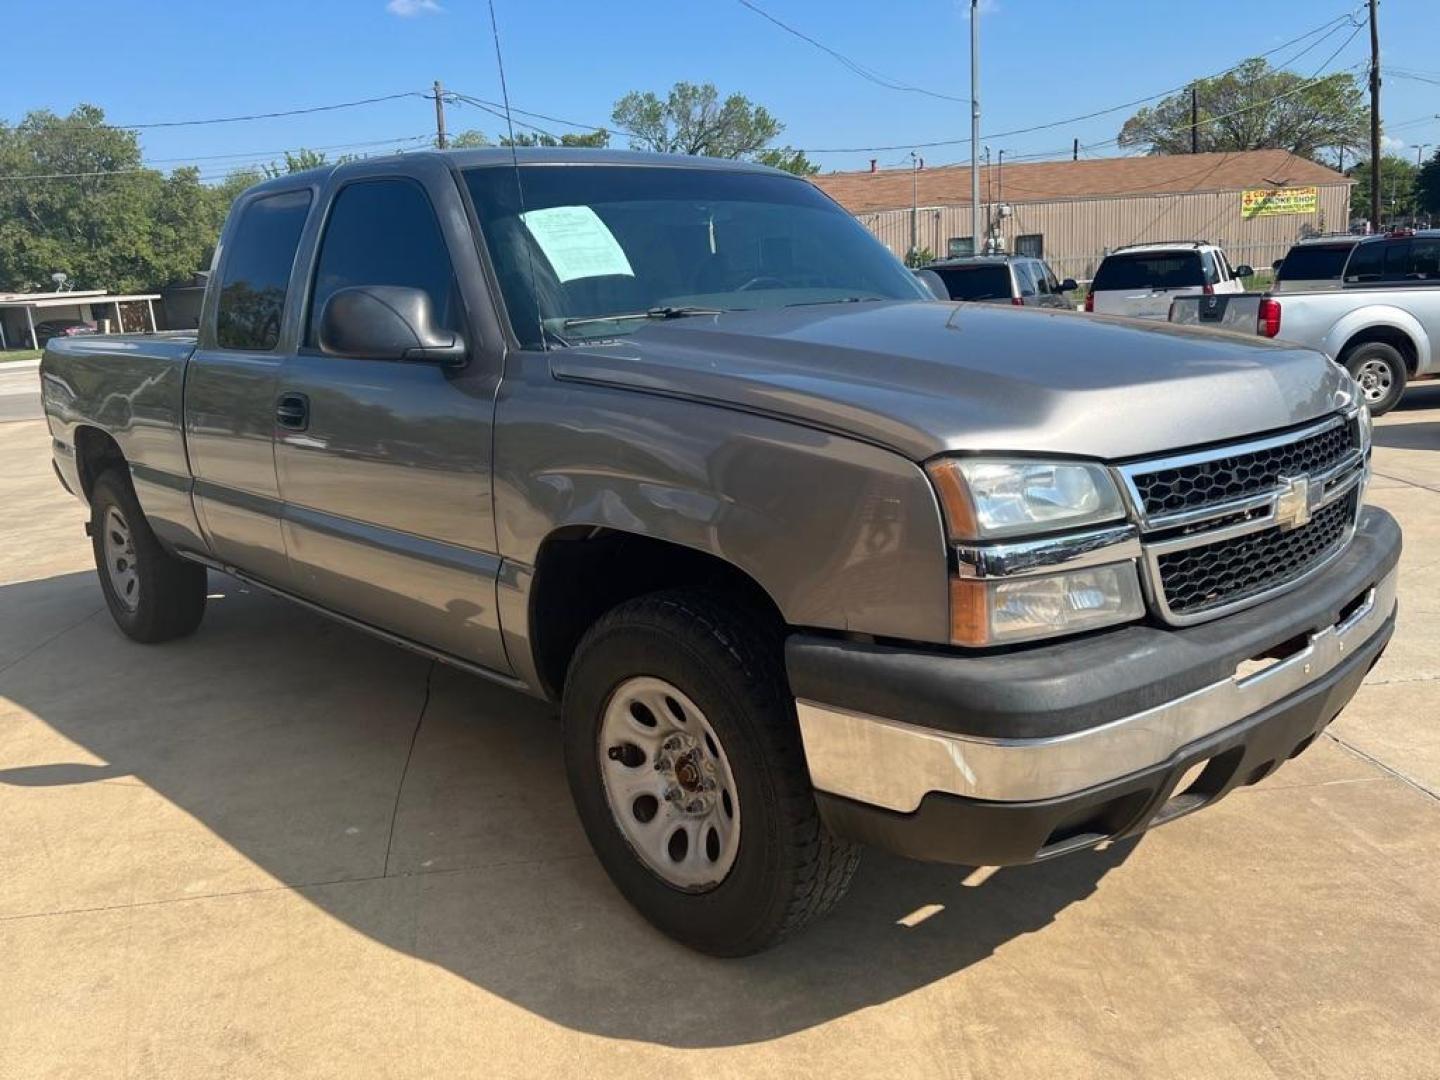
[577,243]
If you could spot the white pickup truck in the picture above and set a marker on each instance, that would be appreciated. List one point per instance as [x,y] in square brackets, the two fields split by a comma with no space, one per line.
[1379,322]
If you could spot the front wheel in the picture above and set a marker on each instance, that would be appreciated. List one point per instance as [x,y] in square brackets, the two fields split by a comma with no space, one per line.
[686,767]
[1380,370]
[152,595]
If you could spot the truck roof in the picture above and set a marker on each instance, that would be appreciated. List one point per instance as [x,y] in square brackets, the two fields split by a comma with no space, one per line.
[533,155]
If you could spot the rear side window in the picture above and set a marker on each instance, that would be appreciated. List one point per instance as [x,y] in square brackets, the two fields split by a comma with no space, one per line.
[1314,262]
[257,271]
[1366,264]
[1162,271]
[1211,270]
[384,232]
[1424,259]
[976,282]
[1025,278]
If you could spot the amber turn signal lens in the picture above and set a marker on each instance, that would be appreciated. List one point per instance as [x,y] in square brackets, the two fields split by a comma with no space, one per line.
[969,612]
[954,499]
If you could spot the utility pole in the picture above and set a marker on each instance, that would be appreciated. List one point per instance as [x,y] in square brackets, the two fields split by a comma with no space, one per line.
[1374,119]
[439,116]
[1075,151]
[914,207]
[1194,119]
[975,126]
[1420,149]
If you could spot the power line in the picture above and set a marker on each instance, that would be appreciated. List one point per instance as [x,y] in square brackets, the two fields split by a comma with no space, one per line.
[259,154]
[268,115]
[854,66]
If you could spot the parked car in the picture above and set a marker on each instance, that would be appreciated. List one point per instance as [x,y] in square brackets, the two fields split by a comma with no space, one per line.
[1139,280]
[1314,263]
[806,560]
[1004,279]
[1380,323]
[51,328]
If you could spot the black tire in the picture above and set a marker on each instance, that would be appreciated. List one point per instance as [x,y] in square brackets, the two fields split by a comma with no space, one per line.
[1376,358]
[788,868]
[164,597]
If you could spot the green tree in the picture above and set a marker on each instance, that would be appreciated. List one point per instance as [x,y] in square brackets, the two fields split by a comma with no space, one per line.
[1397,189]
[792,161]
[693,120]
[299,161]
[598,139]
[1427,186]
[91,210]
[467,140]
[1256,107]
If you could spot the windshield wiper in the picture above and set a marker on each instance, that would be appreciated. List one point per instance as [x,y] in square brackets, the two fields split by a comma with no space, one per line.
[651,313]
[838,300]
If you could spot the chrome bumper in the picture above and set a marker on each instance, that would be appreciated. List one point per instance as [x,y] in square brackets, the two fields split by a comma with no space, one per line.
[892,764]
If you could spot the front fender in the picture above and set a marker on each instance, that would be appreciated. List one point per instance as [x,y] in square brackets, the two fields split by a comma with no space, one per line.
[841,534]
[1379,315]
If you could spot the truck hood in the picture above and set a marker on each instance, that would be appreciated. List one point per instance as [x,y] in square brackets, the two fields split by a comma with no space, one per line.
[926,377]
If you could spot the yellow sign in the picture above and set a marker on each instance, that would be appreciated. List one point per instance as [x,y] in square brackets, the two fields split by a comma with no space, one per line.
[1267,202]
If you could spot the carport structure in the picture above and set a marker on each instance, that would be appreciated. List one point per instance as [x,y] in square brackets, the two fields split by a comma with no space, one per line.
[30,303]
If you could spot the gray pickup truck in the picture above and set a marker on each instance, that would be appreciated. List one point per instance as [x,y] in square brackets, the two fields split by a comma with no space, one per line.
[1378,318]
[808,559]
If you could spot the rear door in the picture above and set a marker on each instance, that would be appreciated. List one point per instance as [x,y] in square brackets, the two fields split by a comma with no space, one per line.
[230,382]
[388,513]
[1141,284]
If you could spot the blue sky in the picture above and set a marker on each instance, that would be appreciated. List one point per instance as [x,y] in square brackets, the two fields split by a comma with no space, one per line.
[1042,61]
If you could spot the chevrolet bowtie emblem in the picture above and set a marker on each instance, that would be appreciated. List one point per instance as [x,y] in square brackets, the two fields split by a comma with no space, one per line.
[1292,504]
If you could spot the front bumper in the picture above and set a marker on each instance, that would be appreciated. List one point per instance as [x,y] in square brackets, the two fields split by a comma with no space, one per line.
[1023,755]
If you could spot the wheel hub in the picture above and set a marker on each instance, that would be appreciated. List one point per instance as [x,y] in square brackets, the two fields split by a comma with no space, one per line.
[119,547]
[668,784]
[1375,379]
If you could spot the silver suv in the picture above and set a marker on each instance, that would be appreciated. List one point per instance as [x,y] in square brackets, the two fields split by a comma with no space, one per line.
[1140,280]
[1021,280]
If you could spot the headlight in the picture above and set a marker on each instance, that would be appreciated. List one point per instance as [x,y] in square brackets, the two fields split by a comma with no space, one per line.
[998,611]
[985,499]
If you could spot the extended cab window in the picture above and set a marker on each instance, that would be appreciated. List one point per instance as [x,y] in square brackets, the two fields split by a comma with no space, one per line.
[1181,270]
[257,271]
[384,232]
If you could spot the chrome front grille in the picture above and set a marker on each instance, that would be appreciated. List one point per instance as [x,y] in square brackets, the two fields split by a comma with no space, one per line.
[1204,483]
[1199,578]
[1225,528]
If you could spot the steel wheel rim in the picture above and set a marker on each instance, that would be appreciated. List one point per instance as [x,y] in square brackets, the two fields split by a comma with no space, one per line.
[666,777]
[119,549]
[1375,379]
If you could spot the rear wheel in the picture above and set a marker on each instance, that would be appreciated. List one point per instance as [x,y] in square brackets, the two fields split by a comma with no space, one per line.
[1380,370]
[685,763]
[152,595]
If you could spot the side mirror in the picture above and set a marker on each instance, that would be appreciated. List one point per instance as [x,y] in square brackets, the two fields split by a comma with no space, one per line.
[934,282]
[1244,270]
[386,322]
[1069,285]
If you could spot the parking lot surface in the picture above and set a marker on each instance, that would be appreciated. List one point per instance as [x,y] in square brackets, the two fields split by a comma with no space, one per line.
[282,848]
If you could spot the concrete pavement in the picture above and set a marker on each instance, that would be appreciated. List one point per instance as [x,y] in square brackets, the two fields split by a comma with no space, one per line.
[280,848]
[20,390]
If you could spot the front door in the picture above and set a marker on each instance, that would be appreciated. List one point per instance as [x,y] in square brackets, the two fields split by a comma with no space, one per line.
[384,466]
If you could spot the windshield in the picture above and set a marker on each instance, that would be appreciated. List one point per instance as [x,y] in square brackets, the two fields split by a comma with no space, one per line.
[641,243]
[1314,262]
[975,282]
[1177,270]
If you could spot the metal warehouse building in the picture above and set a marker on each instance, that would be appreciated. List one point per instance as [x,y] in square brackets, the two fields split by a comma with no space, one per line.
[1254,203]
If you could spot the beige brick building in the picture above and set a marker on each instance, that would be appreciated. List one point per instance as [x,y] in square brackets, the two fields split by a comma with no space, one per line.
[1255,203]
